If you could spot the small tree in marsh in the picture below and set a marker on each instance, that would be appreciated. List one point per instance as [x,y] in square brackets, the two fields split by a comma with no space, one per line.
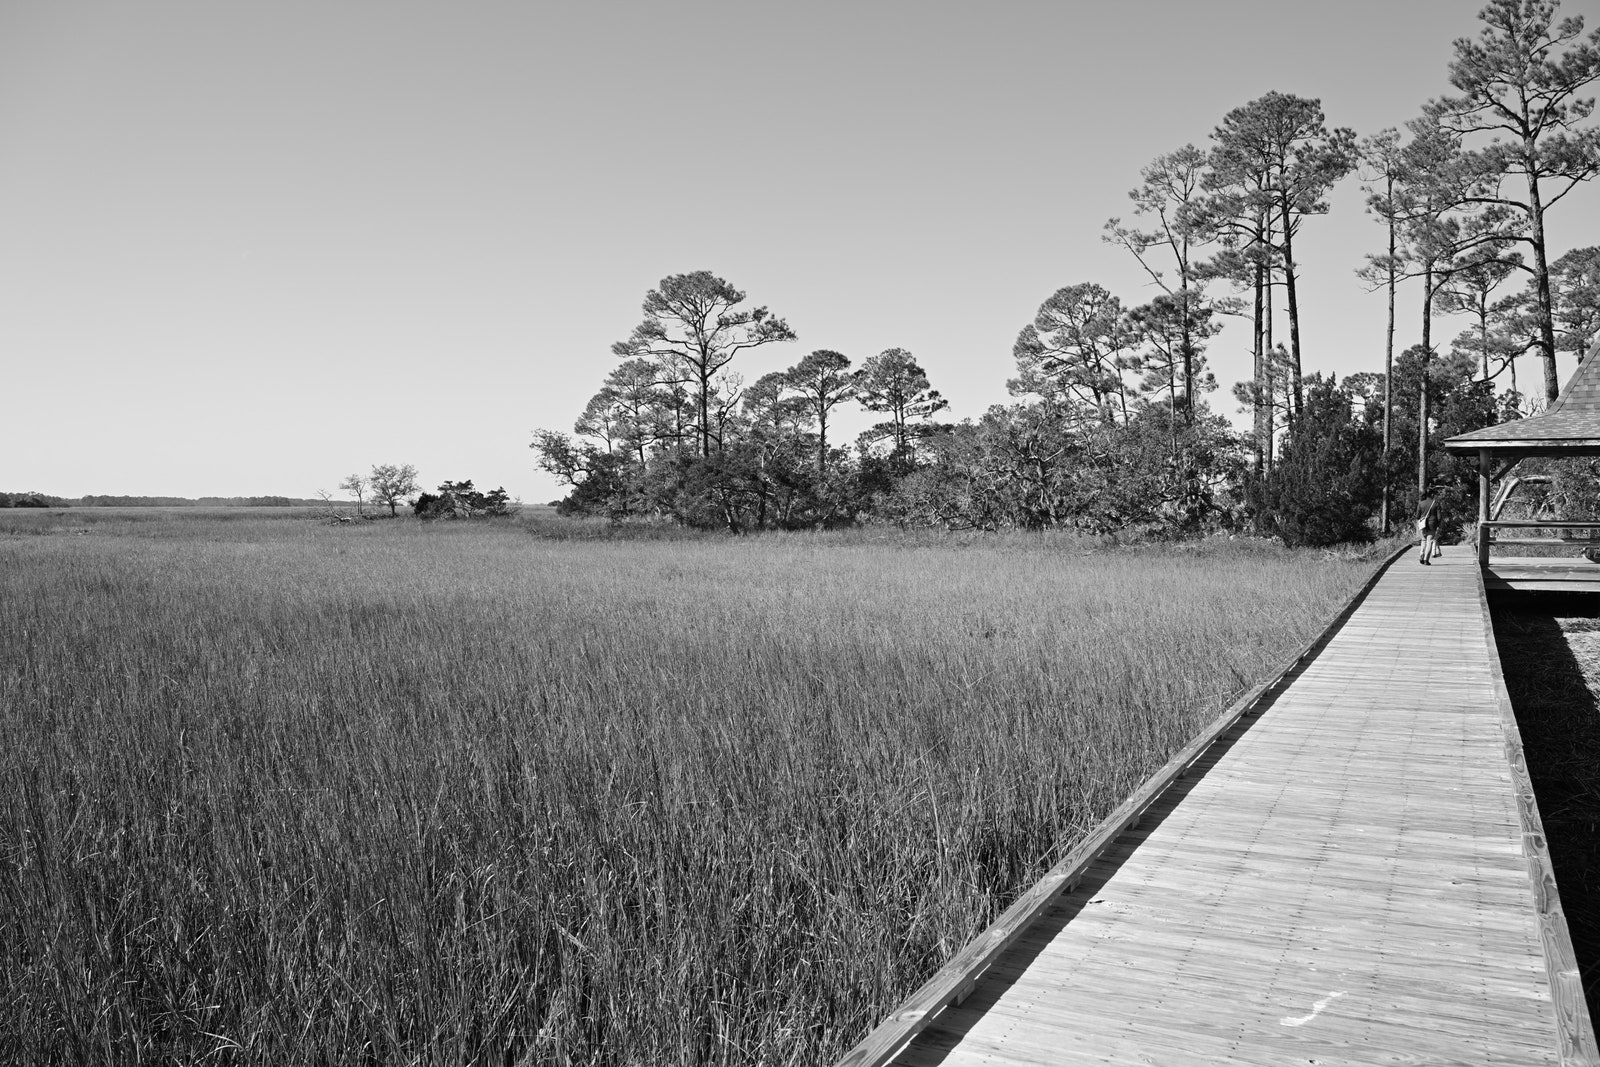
[392,484]
[356,486]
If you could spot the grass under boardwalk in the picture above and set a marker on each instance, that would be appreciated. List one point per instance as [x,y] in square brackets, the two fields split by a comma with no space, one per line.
[276,791]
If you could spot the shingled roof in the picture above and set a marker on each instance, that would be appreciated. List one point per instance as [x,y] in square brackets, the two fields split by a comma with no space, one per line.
[1570,424]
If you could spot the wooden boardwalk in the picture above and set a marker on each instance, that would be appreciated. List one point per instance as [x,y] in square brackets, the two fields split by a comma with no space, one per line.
[1527,574]
[1357,877]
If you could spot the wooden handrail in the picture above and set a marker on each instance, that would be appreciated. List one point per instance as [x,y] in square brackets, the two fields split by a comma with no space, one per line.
[955,981]
[1575,1030]
[1486,538]
[1540,524]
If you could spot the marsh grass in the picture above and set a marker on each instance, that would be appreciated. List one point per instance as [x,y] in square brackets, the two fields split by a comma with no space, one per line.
[453,793]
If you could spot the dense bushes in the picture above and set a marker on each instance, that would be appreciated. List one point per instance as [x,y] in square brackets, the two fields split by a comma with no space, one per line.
[1327,482]
[459,500]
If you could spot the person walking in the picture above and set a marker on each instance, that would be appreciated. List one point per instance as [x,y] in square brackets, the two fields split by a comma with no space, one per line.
[1428,527]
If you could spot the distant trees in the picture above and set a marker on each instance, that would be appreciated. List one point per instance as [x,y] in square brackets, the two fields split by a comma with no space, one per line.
[892,382]
[770,459]
[1075,353]
[30,499]
[822,381]
[1273,166]
[390,484]
[693,327]
[1173,197]
[1109,428]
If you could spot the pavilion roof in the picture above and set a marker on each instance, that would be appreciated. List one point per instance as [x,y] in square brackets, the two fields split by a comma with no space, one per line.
[1570,423]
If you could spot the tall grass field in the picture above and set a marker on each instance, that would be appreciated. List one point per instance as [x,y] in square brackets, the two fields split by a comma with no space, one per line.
[274,791]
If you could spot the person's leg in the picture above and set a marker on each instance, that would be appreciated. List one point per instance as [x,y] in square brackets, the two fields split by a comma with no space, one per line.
[1424,548]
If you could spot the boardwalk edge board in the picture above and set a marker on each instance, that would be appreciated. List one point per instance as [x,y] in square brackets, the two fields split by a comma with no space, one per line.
[957,979]
[1576,1029]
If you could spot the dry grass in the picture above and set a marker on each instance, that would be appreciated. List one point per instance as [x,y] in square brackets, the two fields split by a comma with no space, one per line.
[392,793]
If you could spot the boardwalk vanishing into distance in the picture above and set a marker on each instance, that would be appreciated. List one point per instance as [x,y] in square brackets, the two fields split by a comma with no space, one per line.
[1354,873]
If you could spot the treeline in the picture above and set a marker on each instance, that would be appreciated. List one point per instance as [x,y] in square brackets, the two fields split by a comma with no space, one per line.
[32,499]
[1111,428]
[45,500]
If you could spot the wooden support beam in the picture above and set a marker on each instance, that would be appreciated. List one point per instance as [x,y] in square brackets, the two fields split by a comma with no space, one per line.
[1485,462]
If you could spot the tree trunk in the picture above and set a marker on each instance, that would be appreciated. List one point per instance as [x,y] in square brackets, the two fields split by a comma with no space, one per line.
[1388,377]
[1422,396]
[1188,360]
[1483,333]
[1271,368]
[1541,275]
[822,445]
[1294,308]
[1259,419]
[705,414]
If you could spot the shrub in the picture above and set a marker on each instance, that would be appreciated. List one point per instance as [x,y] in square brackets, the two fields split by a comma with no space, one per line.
[1326,485]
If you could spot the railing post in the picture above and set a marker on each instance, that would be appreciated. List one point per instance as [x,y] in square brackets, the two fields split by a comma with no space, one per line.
[1485,460]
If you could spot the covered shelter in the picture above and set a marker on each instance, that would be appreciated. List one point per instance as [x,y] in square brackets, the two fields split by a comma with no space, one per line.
[1569,427]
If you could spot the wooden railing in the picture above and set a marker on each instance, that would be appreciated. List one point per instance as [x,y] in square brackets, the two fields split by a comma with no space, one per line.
[1563,534]
[955,981]
[1574,1027]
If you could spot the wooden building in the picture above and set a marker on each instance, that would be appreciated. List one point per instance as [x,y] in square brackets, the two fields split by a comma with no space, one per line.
[1570,427]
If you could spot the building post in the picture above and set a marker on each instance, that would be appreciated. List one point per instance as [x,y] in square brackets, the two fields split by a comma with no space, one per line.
[1485,458]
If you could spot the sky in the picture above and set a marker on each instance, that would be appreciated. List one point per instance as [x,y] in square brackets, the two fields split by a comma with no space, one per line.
[248,248]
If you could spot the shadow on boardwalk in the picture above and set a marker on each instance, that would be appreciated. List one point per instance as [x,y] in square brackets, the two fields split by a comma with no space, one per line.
[1550,653]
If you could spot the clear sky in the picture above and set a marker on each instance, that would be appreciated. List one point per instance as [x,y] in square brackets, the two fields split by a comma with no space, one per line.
[249,247]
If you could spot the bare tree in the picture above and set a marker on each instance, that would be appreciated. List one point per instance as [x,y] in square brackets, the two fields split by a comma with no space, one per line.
[356,486]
